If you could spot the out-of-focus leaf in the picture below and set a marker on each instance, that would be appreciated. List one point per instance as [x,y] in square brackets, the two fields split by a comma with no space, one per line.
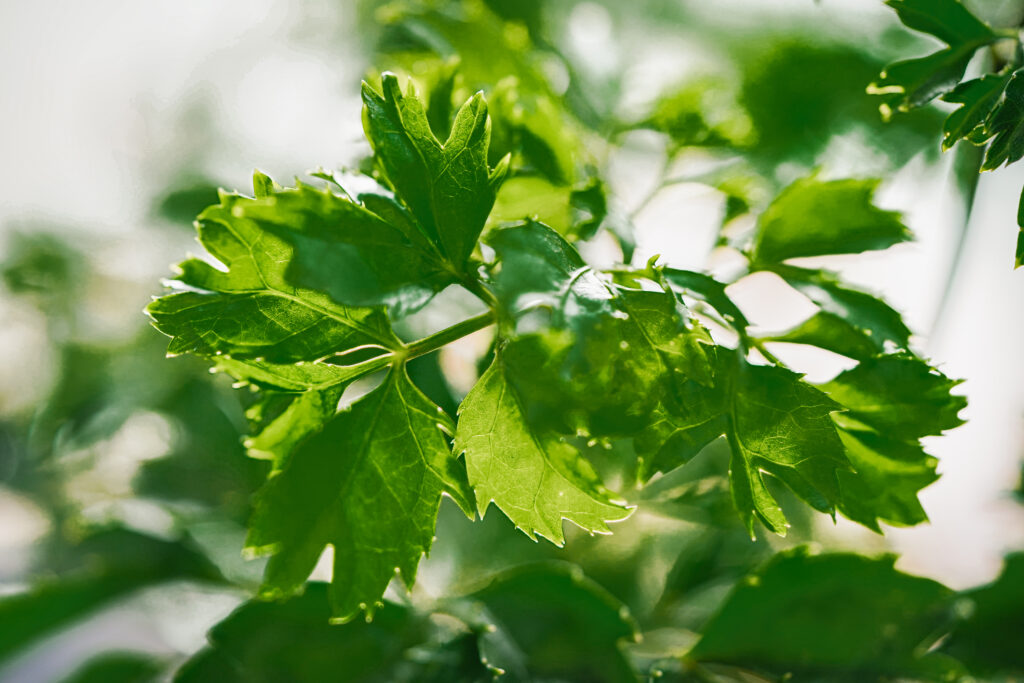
[830,617]
[106,565]
[828,331]
[118,667]
[878,321]
[701,113]
[294,641]
[813,217]
[987,640]
[566,626]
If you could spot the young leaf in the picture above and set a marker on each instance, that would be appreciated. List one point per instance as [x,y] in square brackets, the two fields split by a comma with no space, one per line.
[1006,125]
[813,218]
[899,395]
[369,484]
[449,187]
[534,476]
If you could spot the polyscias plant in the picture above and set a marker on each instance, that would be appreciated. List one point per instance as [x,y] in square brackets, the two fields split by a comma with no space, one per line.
[311,278]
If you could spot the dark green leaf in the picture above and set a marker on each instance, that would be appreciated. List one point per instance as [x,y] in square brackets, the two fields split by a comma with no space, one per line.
[1006,125]
[567,627]
[293,641]
[346,250]
[250,319]
[449,187]
[118,667]
[947,20]
[708,289]
[369,484]
[899,395]
[978,98]
[813,218]
[775,423]
[988,638]
[829,617]
[829,331]
[873,317]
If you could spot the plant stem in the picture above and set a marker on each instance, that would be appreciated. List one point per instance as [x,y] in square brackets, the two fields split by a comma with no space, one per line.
[448,335]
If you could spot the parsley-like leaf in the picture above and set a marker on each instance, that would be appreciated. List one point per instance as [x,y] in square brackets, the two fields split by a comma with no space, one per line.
[369,484]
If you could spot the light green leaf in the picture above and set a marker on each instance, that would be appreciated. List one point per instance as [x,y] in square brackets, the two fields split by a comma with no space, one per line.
[369,484]
[899,395]
[534,476]
[887,476]
[1006,125]
[813,217]
[449,187]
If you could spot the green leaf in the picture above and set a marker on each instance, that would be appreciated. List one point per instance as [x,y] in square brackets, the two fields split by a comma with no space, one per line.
[947,20]
[914,82]
[369,484]
[250,319]
[870,315]
[346,250]
[775,423]
[709,290]
[830,617]
[605,353]
[899,395]
[118,667]
[1006,125]
[293,641]
[567,627]
[1019,261]
[888,474]
[283,420]
[978,98]
[828,331]
[449,187]
[701,113]
[814,218]
[987,640]
[535,477]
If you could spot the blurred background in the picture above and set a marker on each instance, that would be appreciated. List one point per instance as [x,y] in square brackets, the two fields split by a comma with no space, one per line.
[124,486]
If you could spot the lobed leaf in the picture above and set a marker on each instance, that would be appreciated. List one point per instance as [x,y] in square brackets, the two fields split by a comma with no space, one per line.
[369,484]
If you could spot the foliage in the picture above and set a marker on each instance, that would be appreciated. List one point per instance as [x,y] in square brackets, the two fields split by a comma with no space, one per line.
[632,398]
